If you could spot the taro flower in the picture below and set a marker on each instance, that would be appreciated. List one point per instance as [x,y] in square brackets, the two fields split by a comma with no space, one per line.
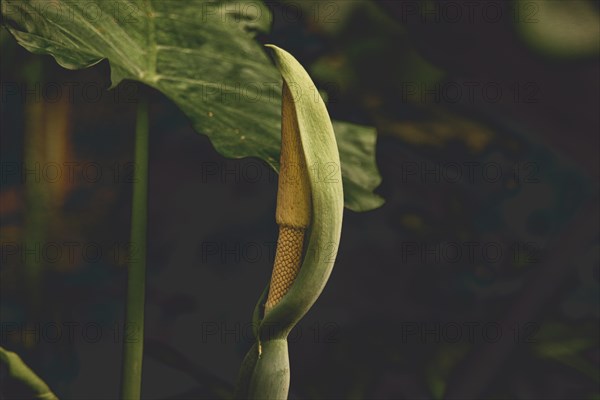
[309,209]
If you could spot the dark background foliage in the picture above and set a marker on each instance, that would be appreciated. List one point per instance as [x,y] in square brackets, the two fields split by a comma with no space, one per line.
[479,277]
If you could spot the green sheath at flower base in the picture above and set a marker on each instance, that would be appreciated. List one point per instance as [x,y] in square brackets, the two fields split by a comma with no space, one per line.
[265,372]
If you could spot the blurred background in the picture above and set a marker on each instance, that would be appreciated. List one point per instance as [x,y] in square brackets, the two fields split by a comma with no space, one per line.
[478,279]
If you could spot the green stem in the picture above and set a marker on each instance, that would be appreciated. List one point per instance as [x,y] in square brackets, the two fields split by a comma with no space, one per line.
[37,197]
[133,333]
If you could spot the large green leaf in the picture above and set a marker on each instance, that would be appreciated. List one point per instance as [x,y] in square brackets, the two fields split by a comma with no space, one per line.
[202,55]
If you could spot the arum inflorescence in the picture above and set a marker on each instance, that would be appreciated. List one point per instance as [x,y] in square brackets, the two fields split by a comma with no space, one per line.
[308,207]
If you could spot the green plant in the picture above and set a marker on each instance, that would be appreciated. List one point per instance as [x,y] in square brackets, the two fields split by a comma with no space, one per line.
[303,197]
[159,48]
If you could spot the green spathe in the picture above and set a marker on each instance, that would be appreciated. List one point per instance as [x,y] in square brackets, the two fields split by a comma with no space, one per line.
[321,152]
[271,377]
[265,370]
